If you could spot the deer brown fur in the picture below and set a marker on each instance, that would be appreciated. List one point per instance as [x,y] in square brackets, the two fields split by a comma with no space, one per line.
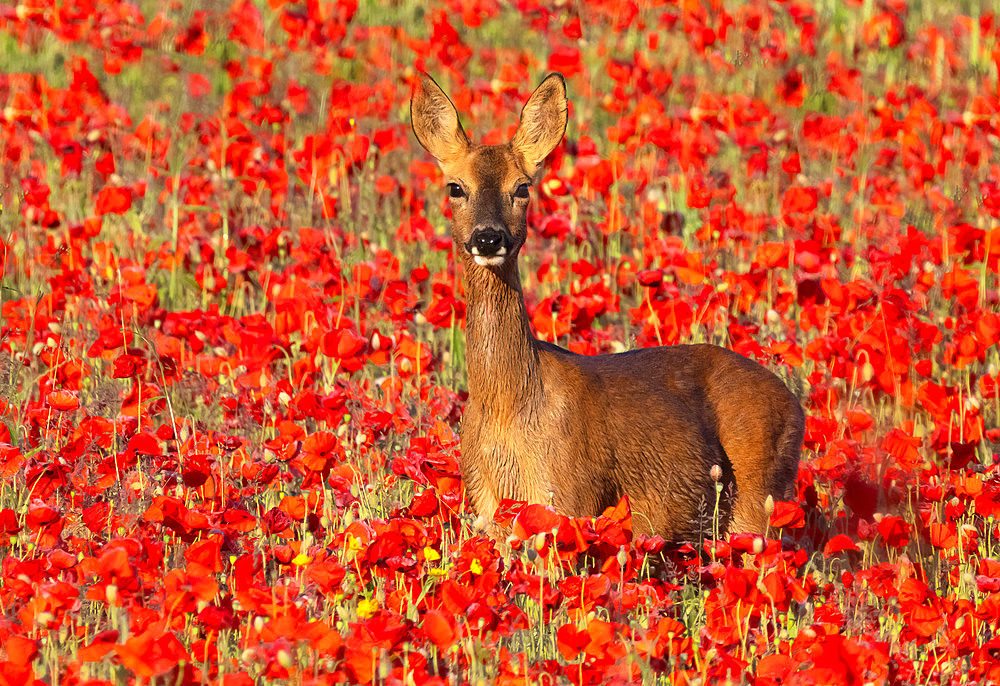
[545,425]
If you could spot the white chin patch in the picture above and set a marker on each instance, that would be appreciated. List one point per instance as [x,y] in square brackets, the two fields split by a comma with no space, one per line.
[493,261]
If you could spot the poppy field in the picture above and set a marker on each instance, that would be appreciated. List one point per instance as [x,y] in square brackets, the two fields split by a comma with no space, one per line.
[232,362]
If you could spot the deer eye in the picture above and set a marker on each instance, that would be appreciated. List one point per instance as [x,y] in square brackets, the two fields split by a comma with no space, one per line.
[455,191]
[522,191]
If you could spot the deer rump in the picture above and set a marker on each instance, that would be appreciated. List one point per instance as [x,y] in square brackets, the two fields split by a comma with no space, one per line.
[548,426]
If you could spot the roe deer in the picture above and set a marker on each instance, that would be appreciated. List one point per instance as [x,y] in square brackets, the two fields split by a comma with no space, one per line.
[548,426]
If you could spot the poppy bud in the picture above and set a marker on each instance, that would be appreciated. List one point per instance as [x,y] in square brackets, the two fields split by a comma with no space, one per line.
[867,371]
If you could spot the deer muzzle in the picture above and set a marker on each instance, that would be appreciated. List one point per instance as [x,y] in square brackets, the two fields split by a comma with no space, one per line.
[488,246]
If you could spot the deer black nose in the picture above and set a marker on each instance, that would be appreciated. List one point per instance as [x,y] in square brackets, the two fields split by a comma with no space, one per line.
[486,242]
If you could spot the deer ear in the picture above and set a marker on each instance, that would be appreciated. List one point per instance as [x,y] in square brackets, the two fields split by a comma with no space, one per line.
[543,121]
[435,122]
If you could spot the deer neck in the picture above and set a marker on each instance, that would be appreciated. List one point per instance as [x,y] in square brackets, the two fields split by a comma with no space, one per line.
[501,353]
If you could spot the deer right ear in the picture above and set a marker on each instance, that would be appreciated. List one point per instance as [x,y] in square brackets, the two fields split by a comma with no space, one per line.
[435,122]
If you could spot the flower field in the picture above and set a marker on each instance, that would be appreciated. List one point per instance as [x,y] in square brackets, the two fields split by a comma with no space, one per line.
[232,365]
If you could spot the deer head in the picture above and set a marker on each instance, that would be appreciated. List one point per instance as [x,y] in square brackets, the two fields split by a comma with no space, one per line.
[489,185]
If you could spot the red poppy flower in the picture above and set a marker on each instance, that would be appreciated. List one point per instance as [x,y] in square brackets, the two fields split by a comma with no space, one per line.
[837,544]
[894,531]
[64,401]
[113,200]
[787,515]
[440,628]
[154,651]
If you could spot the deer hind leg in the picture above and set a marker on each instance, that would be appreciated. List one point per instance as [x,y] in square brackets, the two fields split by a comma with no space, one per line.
[765,461]
[748,510]
[785,466]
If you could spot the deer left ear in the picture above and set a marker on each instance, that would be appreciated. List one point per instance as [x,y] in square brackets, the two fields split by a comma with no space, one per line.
[543,122]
